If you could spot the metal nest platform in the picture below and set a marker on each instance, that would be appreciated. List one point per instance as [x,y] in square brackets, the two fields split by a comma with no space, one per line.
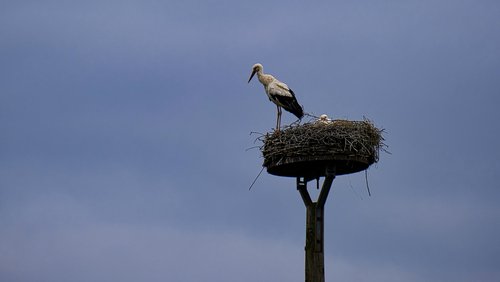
[307,150]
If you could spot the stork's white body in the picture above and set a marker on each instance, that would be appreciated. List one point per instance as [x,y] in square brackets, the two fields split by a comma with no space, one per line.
[324,119]
[279,93]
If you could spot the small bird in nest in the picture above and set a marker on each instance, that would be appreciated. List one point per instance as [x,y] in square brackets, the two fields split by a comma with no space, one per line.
[279,93]
[324,119]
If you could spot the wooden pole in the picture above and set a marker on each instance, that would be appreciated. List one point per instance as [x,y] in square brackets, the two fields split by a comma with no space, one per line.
[315,211]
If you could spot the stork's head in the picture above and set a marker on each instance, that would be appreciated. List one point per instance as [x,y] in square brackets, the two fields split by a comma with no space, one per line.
[324,119]
[255,69]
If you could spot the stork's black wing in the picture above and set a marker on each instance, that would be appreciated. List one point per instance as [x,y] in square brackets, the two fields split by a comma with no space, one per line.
[286,99]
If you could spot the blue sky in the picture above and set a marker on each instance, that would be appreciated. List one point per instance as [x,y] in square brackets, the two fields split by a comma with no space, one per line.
[125,126]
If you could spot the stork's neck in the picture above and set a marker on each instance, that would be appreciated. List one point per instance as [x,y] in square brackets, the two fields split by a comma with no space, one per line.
[265,78]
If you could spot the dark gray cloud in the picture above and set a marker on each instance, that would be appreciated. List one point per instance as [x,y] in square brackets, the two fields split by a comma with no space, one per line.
[124,128]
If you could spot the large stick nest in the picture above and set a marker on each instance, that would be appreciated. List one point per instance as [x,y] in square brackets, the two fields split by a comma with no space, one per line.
[352,145]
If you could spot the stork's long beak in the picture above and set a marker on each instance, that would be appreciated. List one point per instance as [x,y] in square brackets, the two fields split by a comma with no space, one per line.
[253,73]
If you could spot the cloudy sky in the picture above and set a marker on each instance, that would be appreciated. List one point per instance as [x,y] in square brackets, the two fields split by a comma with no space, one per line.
[125,127]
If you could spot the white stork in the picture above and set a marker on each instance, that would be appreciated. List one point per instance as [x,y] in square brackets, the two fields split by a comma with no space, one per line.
[324,119]
[278,93]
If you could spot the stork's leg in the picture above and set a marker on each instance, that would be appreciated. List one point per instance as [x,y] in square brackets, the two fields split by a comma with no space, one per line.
[277,117]
[278,120]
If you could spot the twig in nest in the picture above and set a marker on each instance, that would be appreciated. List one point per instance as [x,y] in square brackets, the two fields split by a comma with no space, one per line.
[251,148]
[355,192]
[255,179]
[367,186]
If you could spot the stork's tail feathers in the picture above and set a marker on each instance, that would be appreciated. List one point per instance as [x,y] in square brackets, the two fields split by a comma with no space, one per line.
[297,110]
[293,106]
